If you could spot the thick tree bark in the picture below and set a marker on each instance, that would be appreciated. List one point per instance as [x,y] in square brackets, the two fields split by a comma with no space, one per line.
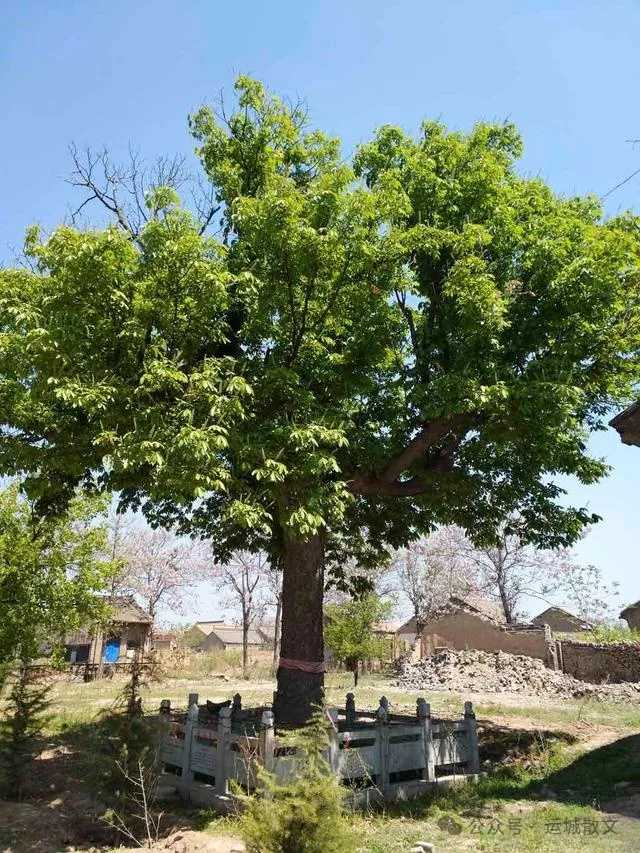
[301,671]
[276,634]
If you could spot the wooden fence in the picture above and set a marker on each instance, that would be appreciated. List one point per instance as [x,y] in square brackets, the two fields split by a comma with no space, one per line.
[378,755]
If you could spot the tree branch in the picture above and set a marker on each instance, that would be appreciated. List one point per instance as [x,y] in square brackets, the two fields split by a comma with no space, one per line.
[387,482]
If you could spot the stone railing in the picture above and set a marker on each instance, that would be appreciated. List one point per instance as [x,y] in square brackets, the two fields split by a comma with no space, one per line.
[378,755]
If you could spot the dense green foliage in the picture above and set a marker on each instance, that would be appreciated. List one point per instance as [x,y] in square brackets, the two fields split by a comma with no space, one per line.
[349,632]
[51,572]
[423,324]
[303,815]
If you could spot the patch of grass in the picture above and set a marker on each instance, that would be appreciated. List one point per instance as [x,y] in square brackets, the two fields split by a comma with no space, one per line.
[219,662]
[516,829]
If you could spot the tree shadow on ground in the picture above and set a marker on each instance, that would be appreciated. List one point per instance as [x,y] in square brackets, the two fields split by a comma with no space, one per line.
[501,744]
[66,796]
[608,777]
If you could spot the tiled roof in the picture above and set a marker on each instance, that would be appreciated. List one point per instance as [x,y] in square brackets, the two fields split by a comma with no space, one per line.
[561,612]
[627,423]
[126,610]
[232,635]
[207,627]
[389,627]
[473,601]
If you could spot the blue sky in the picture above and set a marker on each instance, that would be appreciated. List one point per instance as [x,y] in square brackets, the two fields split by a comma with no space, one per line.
[120,72]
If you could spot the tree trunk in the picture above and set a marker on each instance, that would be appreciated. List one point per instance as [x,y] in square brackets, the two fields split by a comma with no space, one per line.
[276,633]
[301,671]
[504,600]
[245,643]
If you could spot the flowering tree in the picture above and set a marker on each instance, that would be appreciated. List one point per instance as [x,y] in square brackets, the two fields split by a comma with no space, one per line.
[432,569]
[510,570]
[156,566]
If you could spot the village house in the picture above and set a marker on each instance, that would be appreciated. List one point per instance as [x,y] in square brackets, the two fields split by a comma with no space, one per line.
[561,621]
[388,631]
[164,641]
[631,615]
[126,637]
[216,635]
[472,622]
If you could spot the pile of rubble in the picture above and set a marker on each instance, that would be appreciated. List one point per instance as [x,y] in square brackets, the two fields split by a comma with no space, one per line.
[500,672]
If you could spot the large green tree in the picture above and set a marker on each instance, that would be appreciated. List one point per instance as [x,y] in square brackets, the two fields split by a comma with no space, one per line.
[360,351]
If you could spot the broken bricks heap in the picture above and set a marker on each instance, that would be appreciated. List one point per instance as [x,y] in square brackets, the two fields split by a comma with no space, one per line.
[501,672]
[378,755]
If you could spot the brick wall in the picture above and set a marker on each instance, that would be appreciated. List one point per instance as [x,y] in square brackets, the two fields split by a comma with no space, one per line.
[597,663]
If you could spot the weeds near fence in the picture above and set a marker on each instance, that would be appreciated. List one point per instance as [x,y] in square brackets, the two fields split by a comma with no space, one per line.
[142,794]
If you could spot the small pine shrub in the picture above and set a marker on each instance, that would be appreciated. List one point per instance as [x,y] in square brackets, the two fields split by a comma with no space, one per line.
[130,767]
[24,719]
[305,814]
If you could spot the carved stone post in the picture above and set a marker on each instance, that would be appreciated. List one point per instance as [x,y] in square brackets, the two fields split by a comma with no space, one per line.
[223,752]
[472,738]
[382,719]
[423,711]
[350,710]
[267,740]
[334,741]
[236,706]
[190,723]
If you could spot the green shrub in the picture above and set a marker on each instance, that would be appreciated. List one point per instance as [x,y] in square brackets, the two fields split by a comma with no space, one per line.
[24,718]
[305,814]
[609,635]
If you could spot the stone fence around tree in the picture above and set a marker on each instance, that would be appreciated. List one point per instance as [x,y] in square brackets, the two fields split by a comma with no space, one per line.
[378,755]
[598,662]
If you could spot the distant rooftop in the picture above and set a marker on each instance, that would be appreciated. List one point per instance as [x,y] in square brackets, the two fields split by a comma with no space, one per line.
[478,603]
[127,610]
[232,635]
[627,424]
[207,627]
[560,611]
